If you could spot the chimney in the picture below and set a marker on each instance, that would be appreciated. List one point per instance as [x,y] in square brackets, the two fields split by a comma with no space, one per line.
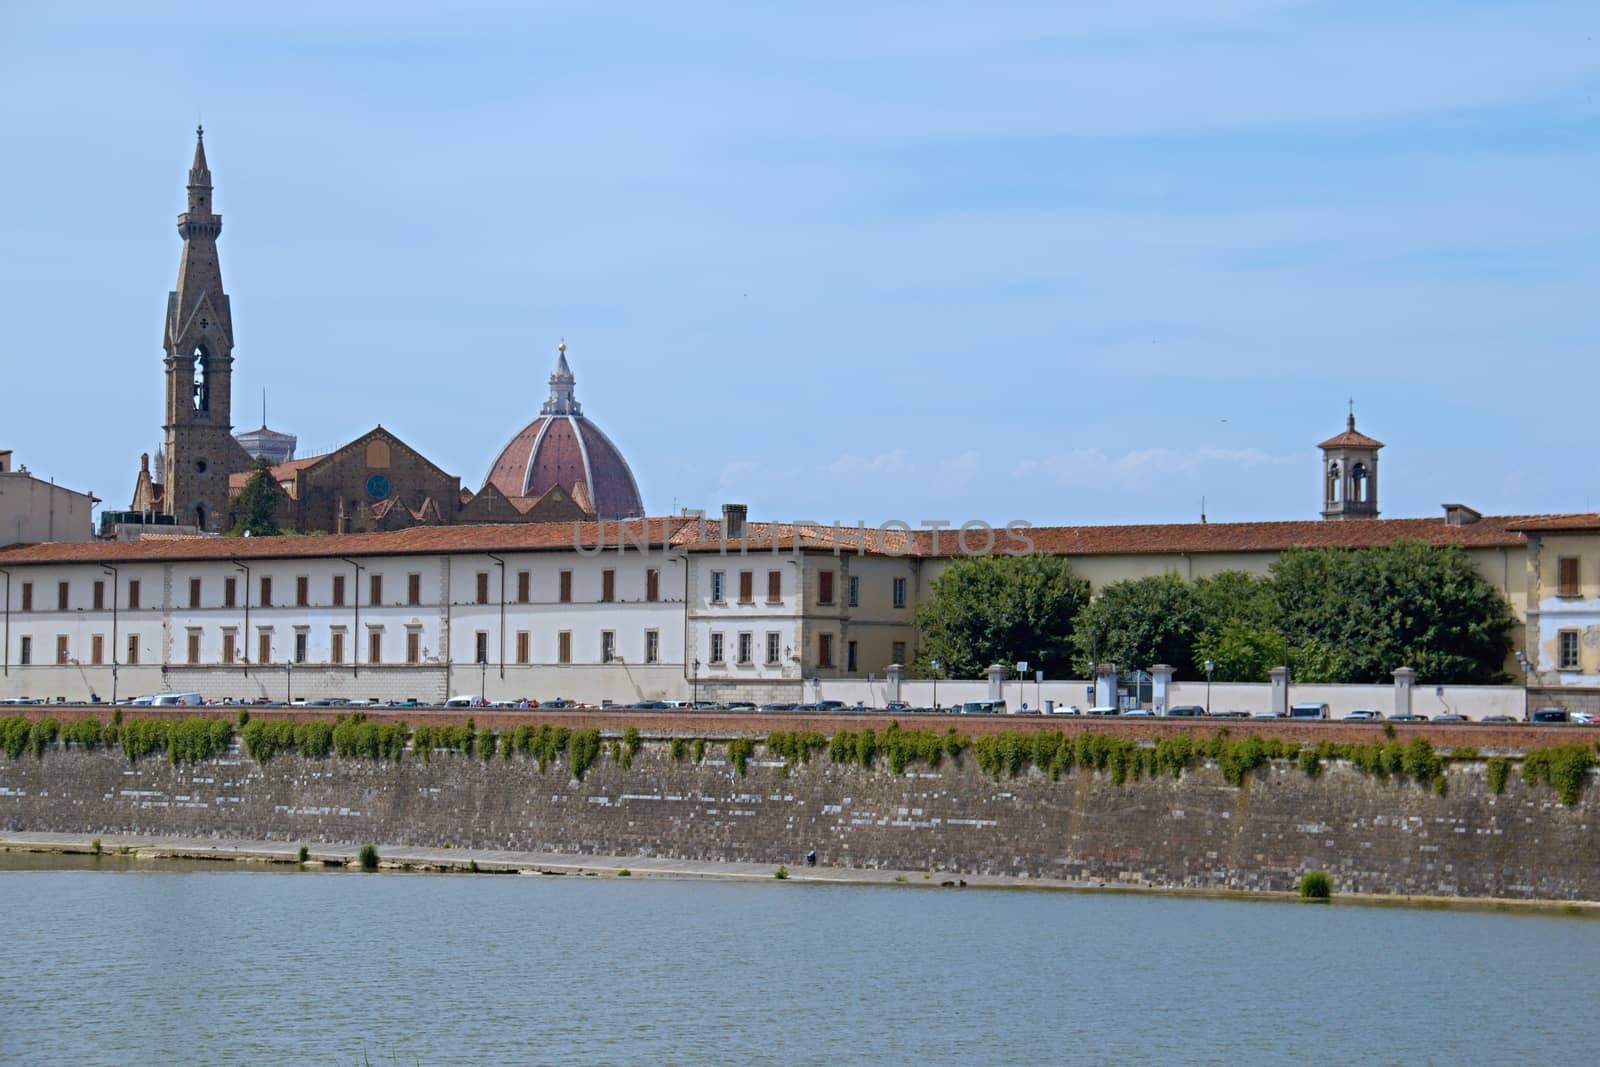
[733,521]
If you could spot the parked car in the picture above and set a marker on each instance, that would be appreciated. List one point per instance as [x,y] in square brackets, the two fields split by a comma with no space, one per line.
[1308,711]
[1138,713]
[1497,718]
[176,700]
[1266,715]
[1230,714]
[1065,709]
[1363,715]
[1549,715]
[1186,711]
[1451,716]
[1587,718]
[1408,717]
[984,707]
[1103,711]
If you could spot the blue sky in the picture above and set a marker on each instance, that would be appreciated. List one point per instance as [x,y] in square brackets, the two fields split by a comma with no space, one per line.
[1067,262]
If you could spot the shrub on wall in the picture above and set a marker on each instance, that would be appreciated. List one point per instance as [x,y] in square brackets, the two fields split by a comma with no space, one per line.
[1495,771]
[1566,767]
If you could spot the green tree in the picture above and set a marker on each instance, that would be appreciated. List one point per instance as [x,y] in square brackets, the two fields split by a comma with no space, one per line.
[1240,626]
[999,609]
[255,507]
[1354,615]
[1140,622]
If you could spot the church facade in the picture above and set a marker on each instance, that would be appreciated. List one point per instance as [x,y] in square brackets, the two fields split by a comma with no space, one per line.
[561,467]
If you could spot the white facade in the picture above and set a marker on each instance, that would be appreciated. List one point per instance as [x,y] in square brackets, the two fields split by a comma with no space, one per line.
[535,624]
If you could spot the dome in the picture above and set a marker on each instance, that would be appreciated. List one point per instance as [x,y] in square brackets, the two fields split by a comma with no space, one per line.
[563,449]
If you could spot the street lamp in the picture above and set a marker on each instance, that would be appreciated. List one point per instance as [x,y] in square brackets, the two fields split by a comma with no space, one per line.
[288,673]
[116,581]
[935,664]
[694,681]
[1210,666]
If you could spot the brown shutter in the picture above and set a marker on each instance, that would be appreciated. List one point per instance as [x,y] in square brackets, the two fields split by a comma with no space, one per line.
[1567,575]
[747,586]
[523,581]
[100,596]
[608,586]
[566,587]
[302,590]
[194,592]
[266,592]
[27,596]
[375,646]
[774,586]
[133,593]
[652,585]
[230,592]
[376,583]
[825,587]
[338,592]
[483,587]
[194,648]
[62,595]
[414,589]
[564,647]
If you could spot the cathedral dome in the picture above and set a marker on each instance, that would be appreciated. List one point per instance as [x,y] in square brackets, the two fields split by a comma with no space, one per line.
[564,449]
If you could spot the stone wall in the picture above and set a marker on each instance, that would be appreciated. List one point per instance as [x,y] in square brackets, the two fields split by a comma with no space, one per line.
[1375,836]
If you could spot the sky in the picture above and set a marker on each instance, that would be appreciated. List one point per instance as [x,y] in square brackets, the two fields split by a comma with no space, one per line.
[1061,262]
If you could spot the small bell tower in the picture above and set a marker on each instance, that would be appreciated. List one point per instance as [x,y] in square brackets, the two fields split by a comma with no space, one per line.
[1350,473]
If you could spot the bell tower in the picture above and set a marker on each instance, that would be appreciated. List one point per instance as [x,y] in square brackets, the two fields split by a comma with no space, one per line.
[1350,473]
[200,449]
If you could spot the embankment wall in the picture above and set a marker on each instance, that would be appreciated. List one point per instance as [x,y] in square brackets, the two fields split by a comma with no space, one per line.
[1374,835]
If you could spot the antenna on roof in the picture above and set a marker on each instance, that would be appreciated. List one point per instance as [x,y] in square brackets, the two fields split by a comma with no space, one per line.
[263,407]
[1202,509]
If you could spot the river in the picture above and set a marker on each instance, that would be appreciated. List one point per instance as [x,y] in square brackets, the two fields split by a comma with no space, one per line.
[110,961]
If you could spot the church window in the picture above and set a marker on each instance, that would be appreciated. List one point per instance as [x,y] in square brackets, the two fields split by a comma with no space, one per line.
[202,374]
[378,455]
[1358,484]
[200,466]
[1333,484]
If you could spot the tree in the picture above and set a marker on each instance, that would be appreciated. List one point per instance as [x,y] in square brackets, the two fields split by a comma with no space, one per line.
[1354,615]
[255,507]
[1241,626]
[1000,609]
[1138,623]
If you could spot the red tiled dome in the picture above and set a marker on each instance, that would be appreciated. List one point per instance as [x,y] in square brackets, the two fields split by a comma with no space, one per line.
[562,448]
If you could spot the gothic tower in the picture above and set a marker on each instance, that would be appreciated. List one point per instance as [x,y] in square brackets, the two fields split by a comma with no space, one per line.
[200,449]
[1350,474]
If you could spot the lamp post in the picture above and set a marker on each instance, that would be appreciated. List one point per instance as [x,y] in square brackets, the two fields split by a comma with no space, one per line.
[935,664]
[1210,666]
[116,582]
[694,681]
[288,674]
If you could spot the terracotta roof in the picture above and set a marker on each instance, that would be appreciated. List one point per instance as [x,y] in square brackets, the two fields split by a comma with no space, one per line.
[700,535]
[281,472]
[567,451]
[1542,523]
[416,540]
[1351,438]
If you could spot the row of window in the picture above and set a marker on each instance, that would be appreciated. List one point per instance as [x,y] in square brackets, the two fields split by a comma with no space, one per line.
[337,590]
[775,588]
[266,651]
[745,641]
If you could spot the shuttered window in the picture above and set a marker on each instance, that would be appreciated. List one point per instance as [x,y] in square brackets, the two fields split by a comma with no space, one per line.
[1567,576]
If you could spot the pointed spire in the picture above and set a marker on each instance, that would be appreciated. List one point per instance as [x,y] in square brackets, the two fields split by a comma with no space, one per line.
[561,400]
[199,173]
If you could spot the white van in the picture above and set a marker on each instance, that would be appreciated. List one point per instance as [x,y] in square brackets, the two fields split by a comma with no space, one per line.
[469,701]
[176,700]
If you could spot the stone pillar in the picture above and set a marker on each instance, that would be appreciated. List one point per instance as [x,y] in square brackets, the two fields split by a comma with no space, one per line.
[1280,691]
[895,674]
[1160,682]
[1105,685]
[997,681]
[1404,679]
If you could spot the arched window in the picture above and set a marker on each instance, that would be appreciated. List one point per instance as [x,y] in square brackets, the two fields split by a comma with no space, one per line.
[1333,483]
[1358,483]
[200,516]
[202,375]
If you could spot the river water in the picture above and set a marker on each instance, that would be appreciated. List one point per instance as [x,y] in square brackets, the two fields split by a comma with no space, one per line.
[107,962]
